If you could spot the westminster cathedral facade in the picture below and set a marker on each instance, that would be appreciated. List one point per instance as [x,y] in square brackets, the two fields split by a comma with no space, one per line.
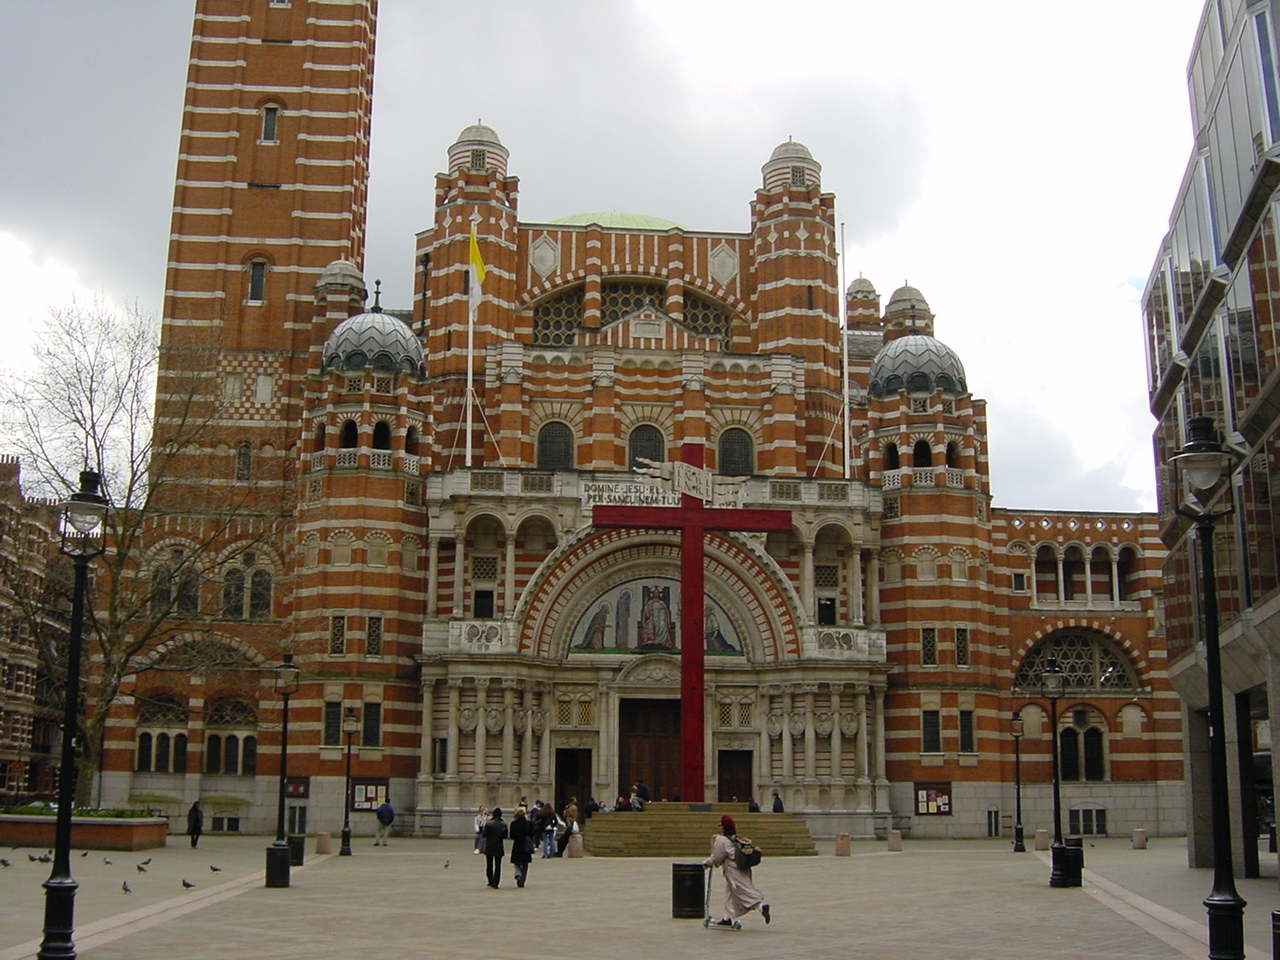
[437,574]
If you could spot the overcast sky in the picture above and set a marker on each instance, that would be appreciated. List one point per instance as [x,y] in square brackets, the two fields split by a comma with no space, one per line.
[1015,162]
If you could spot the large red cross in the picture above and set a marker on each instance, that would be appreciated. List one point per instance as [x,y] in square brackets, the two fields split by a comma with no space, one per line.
[692,519]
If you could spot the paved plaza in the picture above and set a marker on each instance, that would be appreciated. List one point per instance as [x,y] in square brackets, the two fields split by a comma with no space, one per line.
[427,898]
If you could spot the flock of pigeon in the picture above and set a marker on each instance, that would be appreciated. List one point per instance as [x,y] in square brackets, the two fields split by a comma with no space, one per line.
[141,867]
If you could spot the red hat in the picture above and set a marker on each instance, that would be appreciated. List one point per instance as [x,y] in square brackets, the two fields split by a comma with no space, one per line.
[727,821]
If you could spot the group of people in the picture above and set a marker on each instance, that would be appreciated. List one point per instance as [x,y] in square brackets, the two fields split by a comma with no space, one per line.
[529,830]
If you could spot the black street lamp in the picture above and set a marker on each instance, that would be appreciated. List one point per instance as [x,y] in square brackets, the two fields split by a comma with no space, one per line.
[1052,681]
[286,684]
[1015,730]
[350,726]
[83,527]
[1204,463]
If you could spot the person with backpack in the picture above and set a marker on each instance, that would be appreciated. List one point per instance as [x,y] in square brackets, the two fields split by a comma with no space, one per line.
[740,893]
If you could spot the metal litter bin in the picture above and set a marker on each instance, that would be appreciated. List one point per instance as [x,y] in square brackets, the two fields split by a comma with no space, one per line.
[687,898]
[297,849]
[1073,862]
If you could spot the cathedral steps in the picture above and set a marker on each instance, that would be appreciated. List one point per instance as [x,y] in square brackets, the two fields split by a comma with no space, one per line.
[685,830]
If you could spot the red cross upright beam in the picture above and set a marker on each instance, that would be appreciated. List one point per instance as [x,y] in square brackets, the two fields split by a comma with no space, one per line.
[692,519]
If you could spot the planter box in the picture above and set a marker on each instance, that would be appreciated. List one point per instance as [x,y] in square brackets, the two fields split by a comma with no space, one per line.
[87,833]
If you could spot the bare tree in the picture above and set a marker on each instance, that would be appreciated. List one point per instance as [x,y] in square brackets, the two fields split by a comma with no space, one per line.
[90,402]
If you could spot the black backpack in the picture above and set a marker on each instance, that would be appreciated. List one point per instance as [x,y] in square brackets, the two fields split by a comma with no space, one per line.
[745,853]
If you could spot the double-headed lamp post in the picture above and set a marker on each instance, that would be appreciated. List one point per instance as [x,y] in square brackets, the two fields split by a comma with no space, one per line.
[286,684]
[350,727]
[1204,463]
[83,528]
[1052,682]
[1015,730]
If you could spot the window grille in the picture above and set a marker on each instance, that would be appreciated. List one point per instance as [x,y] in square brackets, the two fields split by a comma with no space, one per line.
[484,569]
[413,493]
[373,638]
[797,177]
[564,712]
[488,482]
[337,635]
[736,455]
[744,715]
[706,318]
[555,447]
[892,509]
[1087,661]
[619,298]
[355,385]
[536,483]
[478,159]
[833,493]
[919,405]
[929,646]
[556,321]
[948,407]
[784,490]
[726,713]
[646,442]
[962,646]
[584,713]
[826,575]
[314,489]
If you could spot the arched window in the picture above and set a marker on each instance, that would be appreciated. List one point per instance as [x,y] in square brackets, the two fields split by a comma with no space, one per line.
[232,747]
[1089,661]
[244,462]
[257,281]
[382,435]
[953,455]
[1046,574]
[1081,747]
[646,442]
[253,603]
[350,436]
[411,442]
[1073,573]
[555,447]
[175,587]
[162,738]
[921,454]
[736,454]
[270,123]
[891,461]
[320,436]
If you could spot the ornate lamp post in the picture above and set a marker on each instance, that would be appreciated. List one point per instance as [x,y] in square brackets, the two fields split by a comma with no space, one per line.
[1052,681]
[1015,730]
[83,539]
[1204,463]
[286,684]
[350,726]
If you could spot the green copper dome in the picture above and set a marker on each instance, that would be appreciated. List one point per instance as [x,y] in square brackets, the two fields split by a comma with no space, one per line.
[619,221]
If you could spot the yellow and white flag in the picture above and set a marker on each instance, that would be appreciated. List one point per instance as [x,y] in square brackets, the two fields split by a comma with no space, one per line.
[478,271]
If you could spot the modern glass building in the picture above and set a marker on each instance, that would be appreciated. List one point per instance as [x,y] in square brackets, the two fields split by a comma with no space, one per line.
[1210,319]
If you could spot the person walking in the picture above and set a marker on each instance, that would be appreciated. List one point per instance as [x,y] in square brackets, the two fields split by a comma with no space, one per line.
[482,814]
[386,815]
[740,893]
[524,840]
[195,823]
[570,826]
[549,822]
[494,832]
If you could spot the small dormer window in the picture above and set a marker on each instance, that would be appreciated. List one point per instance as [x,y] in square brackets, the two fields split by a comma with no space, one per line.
[798,178]
[478,158]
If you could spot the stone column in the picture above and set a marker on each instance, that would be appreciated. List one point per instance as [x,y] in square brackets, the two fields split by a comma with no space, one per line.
[544,745]
[508,728]
[766,741]
[1062,583]
[526,739]
[856,613]
[455,699]
[433,574]
[425,766]
[1116,594]
[882,781]
[836,744]
[810,737]
[873,589]
[482,728]
[788,748]
[806,583]
[861,762]
[509,577]
[459,570]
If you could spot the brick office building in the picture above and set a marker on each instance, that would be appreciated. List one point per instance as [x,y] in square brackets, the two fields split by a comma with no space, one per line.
[447,585]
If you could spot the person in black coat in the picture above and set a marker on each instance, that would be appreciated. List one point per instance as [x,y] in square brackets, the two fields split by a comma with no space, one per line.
[494,832]
[524,840]
[195,823]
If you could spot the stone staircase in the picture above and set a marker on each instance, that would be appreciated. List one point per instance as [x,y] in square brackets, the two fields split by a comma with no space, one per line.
[685,830]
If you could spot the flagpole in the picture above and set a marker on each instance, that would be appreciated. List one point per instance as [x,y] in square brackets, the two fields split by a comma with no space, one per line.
[472,308]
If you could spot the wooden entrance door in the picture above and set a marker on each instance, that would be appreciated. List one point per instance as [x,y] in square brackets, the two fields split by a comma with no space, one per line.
[734,776]
[649,746]
[573,778]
